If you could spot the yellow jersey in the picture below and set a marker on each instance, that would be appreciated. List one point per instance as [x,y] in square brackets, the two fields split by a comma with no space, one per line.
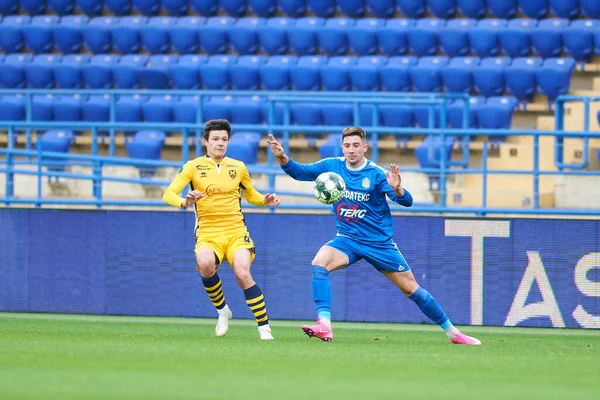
[220,209]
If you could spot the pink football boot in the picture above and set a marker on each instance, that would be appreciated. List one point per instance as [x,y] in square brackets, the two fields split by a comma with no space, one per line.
[461,338]
[320,330]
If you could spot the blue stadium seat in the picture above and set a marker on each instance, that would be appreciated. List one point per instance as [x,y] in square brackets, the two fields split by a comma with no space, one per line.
[454,36]
[275,74]
[129,108]
[305,74]
[332,37]
[242,151]
[186,110]
[39,73]
[213,35]
[395,76]
[302,37]
[207,8]
[233,8]
[263,8]
[488,77]
[126,72]
[597,42]
[590,8]
[12,70]
[38,34]
[96,34]
[96,108]
[400,116]
[243,35]
[33,7]
[352,8]
[332,147]
[126,35]
[392,39]
[442,8]
[67,108]
[484,39]
[155,34]
[175,7]
[57,141]
[118,7]
[148,8]
[472,8]
[251,138]
[421,114]
[91,8]
[293,8]
[11,32]
[362,39]
[429,154]
[247,110]
[8,7]
[67,74]
[41,107]
[12,108]
[520,77]
[244,74]
[547,37]
[273,36]
[306,114]
[158,109]
[338,114]
[335,75]
[146,145]
[578,39]
[411,8]
[217,107]
[426,75]
[67,35]
[456,111]
[278,112]
[423,38]
[184,35]
[458,74]
[502,8]
[365,76]
[568,9]
[516,37]
[322,8]
[554,77]
[97,74]
[156,74]
[536,9]
[496,113]
[186,73]
[215,74]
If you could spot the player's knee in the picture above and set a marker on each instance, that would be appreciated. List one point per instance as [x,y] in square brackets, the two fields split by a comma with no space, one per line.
[206,266]
[243,276]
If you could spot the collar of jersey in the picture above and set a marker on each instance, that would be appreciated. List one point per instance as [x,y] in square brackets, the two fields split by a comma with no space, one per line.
[358,168]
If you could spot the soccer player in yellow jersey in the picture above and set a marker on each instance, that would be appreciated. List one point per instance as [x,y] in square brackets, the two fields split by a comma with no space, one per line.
[221,233]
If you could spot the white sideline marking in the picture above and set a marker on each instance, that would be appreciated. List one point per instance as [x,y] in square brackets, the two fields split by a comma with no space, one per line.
[295,324]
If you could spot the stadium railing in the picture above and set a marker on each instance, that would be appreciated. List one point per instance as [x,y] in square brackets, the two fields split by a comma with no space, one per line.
[12,157]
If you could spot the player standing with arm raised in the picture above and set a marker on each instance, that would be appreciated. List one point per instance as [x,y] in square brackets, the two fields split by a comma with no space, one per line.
[364,230]
[221,233]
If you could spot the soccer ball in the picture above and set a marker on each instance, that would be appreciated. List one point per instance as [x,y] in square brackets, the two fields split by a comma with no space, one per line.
[329,187]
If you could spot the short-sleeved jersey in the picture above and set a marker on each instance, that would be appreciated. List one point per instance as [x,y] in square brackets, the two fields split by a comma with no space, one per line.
[220,209]
[362,213]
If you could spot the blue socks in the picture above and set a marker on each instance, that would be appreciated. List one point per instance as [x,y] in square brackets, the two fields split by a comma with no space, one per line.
[430,307]
[321,291]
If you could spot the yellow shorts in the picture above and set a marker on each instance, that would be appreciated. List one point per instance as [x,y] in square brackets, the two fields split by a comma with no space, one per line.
[224,246]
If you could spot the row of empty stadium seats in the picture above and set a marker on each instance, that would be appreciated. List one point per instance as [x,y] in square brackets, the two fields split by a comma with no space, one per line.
[321,8]
[493,113]
[303,36]
[489,76]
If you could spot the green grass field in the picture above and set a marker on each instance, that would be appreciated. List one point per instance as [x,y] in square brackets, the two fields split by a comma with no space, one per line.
[45,356]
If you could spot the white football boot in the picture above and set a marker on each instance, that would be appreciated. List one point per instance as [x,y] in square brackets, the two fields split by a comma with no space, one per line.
[264,332]
[223,322]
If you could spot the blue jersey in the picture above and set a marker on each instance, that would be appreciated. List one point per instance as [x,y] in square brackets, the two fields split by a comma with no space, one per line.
[363,212]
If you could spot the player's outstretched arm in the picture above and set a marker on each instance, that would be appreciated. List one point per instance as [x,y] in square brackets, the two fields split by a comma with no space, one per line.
[277,150]
[394,180]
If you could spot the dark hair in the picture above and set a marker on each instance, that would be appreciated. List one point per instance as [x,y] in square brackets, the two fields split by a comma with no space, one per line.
[216,125]
[354,131]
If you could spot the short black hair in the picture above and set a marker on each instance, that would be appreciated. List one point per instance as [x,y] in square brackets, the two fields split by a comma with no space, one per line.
[354,131]
[216,125]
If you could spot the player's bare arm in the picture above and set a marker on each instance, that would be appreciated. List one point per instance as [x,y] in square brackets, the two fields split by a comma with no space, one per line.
[395,180]
[272,200]
[277,150]
[191,198]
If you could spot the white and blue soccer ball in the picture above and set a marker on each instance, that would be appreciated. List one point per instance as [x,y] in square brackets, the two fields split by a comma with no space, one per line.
[329,187]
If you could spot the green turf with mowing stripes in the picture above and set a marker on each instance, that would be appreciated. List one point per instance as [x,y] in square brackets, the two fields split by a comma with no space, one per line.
[80,357]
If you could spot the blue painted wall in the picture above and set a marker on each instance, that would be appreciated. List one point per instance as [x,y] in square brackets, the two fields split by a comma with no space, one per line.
[142,263]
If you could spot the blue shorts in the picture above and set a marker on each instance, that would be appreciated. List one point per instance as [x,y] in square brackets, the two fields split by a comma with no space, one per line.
[383,256]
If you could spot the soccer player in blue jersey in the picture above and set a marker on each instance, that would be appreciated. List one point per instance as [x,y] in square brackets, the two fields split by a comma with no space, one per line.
[364,230]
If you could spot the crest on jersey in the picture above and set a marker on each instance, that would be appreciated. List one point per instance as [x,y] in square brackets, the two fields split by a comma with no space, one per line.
[232,173]
[366,183]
